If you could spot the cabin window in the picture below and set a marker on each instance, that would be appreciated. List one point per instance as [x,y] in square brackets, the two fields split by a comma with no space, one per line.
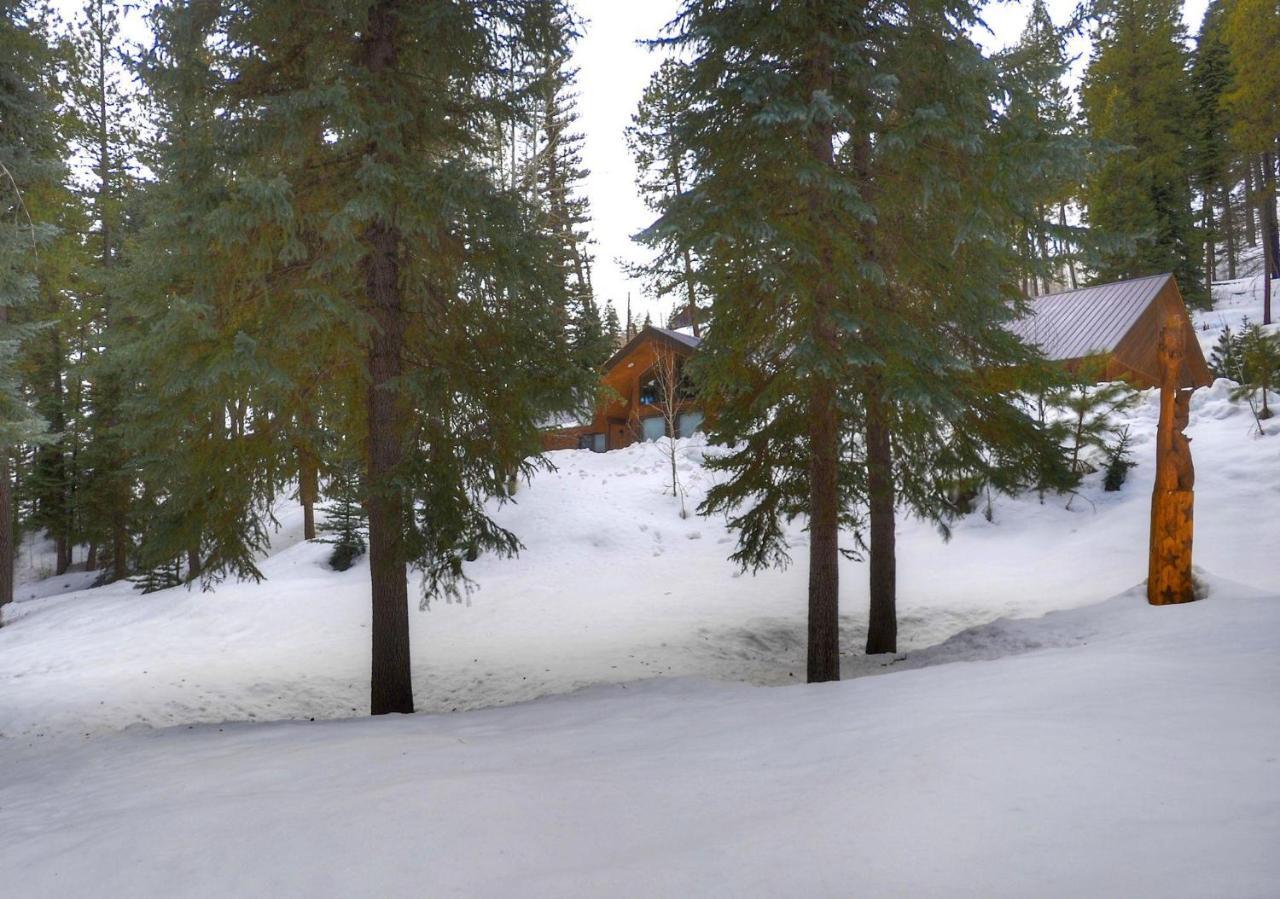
[651,393]
[599,443]
[654,427]
[688,423]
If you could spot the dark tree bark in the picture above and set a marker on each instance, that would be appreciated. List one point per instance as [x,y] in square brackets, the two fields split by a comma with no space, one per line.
[391,680]
[6,532]
[1210,256]
[882,626]
[824,429]
[1229,230]
[193,562]
[1251,228]
[308,492]
[1270,232]
[1071,258]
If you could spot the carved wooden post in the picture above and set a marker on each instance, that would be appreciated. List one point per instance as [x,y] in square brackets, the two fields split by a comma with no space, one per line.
[1169,574]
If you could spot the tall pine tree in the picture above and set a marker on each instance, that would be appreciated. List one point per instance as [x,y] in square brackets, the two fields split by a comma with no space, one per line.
[1136,100]
[851,208]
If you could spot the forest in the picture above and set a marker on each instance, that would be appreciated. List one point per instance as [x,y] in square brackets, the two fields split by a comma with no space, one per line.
[348,256]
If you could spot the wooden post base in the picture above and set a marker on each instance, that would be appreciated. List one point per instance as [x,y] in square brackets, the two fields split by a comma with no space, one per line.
[1169,578]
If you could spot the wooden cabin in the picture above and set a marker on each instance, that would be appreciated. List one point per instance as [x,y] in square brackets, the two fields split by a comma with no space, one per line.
[1115,326]
[633,404]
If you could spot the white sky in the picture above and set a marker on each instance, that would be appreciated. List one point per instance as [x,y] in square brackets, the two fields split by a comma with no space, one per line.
[613,71]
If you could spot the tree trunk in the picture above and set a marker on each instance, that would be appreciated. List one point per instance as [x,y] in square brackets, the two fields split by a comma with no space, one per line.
[824,426]
[391,677]
[1229,231]
[119,551]
[62,555]
[1270,233]
[6,531]
[91,559]
[308,492]
[193,562]
[1251,229]
[1210,258]
[1071,259]
[882,625]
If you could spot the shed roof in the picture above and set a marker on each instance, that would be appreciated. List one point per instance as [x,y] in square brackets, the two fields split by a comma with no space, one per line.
[1075,324]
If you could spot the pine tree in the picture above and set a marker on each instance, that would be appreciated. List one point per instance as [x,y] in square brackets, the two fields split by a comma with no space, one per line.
[1225,359]
[664,173]
[1041,110]
[1136,100]
[368,222]
[612,328]
[1251,34]
[1259,370]
[30,172]
[853,224]
[1210,78]
[100,98]
[344,524]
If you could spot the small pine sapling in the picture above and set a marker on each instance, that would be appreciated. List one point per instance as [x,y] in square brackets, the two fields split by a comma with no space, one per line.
[1090,424]
[1225,360]
[1260,371]
[344,518]
[1119,461]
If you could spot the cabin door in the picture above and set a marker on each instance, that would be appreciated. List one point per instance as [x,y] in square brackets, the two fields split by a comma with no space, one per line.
[617,433]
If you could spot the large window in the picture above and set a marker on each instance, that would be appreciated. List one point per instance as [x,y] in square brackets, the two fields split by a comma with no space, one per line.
[597,443]
[654,427]
[688,423]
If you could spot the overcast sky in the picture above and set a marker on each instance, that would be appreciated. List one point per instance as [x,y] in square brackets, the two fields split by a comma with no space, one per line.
[613,73]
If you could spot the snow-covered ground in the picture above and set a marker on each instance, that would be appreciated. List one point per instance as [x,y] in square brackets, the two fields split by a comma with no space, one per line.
[1127,751]
[1106,747]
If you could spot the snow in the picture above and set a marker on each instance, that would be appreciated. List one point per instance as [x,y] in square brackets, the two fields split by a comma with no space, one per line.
[1135,755]
[615,736]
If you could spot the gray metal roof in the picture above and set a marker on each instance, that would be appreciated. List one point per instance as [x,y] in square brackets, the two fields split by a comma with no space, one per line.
[687,339]
[1091,320]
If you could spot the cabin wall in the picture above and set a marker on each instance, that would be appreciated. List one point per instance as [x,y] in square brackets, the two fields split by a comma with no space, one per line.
[621,415]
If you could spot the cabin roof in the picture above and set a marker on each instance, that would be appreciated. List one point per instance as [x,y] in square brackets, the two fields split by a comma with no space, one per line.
[1076,324]
[650,332]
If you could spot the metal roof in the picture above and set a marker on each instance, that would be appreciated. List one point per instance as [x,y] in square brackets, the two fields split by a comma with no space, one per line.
[649,331]
[687,339]
[1080,323]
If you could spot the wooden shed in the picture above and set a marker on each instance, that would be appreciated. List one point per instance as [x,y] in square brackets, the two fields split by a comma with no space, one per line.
[1116,325]
[633,404]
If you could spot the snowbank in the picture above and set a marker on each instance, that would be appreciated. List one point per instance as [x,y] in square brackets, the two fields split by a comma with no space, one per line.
[1135,757]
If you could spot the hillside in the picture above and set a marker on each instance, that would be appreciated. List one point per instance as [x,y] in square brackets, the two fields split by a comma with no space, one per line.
[1079,729]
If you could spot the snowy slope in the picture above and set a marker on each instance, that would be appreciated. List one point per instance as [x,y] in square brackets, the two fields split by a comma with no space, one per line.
[1083,747]
[613,586]
[1137,755]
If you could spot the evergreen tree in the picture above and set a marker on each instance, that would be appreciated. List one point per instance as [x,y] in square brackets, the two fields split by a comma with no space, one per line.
[1225,359]
[851,210]
[30,172]
[1211,153]
[1119,461]
[1259,370]
[344,523]
[1253,101]
[1041,109]
[612,328]
[100,98]
[1136,100]
[356,192]
[665,171]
